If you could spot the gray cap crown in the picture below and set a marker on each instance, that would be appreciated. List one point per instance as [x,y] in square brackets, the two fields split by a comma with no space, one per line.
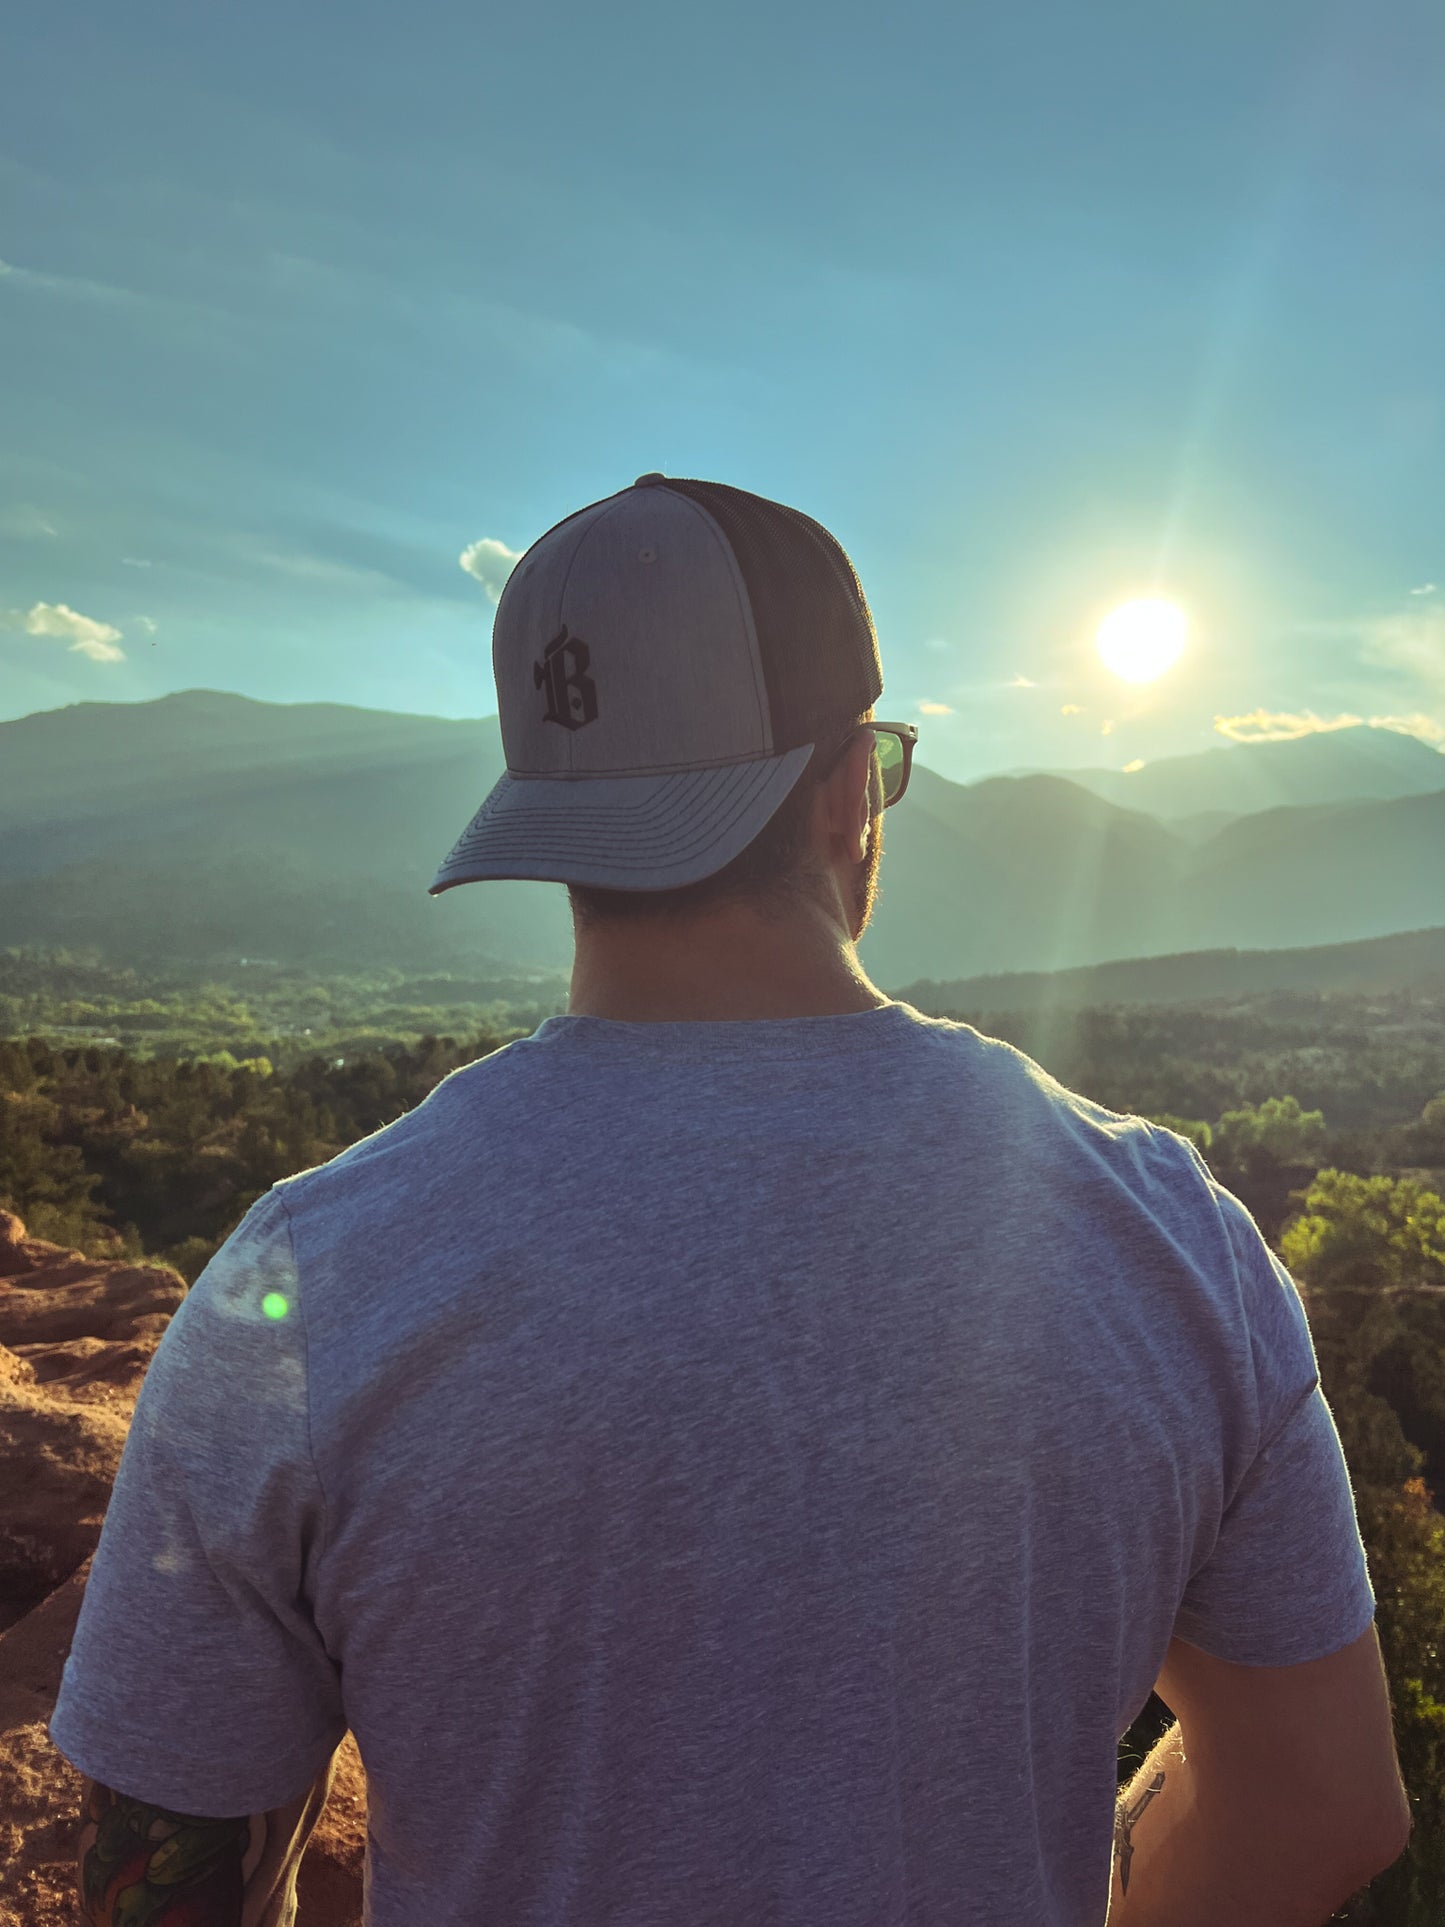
[665,661]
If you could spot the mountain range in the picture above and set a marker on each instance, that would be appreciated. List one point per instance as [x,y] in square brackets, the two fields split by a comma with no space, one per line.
[209,826]
[1381,967]
[1326,766]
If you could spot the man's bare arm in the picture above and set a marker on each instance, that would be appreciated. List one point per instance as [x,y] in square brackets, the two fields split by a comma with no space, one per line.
[1274,1799]
[140,1865]
[1181,1859]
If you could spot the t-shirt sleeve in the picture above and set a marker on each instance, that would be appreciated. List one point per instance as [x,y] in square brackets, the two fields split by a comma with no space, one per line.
[197,1678]
[1287,1579]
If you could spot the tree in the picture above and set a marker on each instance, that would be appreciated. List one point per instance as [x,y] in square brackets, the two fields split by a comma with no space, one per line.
[1264,1152]
[1278,1129]
[1377,1234]
[43,1179]
[1368,1255]
[1194,1128]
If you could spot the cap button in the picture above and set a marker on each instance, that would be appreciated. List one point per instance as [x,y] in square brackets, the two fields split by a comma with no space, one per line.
[649,481]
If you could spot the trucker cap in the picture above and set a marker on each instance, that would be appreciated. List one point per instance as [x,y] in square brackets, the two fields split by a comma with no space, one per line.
[666,661]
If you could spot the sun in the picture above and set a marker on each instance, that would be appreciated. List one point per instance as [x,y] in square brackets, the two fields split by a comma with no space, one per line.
[1140,640]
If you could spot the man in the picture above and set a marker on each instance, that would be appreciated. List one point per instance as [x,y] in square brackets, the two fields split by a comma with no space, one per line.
[745,1453]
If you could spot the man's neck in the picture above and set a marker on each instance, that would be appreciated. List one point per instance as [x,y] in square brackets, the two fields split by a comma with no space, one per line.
[730,966]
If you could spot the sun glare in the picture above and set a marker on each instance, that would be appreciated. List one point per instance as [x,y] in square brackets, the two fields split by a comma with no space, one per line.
[1140,640]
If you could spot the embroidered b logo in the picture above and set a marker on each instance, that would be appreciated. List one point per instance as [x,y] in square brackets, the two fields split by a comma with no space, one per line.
[562,672]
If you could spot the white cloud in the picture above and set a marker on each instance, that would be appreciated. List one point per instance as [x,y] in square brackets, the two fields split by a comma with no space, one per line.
[320,568]
[71,287]
[88,637]
[1425,727]
[148,623]
[1132,769]
[1108,728]
[134,562]
[1425,588]
[490,562]
[934,709]
[1284,726]
[1022,682]
[1279,726]
[1413,642]
[1071,709]
[26,524]
[1410,642]
[937,644]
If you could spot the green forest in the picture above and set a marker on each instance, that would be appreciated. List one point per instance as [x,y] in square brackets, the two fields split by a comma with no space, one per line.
[142,1118]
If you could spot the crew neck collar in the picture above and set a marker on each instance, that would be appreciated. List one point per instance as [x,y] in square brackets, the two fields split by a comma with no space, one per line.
[742,1038]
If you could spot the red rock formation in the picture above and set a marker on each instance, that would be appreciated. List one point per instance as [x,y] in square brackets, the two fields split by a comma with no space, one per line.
[48,1294]
[57,1460]
[76,1336]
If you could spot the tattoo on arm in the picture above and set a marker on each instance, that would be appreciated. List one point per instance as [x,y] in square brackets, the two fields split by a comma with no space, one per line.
[144,1866]
[1124,1818]
[141,1865]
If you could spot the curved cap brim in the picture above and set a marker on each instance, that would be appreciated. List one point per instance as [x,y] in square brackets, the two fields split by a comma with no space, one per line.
[621,832]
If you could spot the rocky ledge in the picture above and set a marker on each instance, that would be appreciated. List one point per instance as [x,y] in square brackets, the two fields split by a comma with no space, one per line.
[76,1336]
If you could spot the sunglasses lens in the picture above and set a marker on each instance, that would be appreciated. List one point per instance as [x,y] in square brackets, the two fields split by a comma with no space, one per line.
[890,762]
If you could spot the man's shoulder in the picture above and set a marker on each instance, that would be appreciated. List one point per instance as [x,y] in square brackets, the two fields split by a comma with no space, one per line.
[1015,1071]
[405,1144]
[1138,1153]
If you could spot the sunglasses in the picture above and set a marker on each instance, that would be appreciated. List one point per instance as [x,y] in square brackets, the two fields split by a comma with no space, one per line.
[893,752]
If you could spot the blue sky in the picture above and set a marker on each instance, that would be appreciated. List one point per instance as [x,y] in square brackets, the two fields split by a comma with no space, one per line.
[1037,307]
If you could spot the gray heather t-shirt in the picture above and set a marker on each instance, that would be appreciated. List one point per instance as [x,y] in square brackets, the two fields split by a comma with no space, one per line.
[736,1473]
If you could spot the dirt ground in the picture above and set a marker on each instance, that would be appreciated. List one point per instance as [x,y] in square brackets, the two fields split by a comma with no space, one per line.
[76,1336]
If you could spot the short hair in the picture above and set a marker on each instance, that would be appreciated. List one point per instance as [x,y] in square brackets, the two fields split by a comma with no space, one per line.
[762,873]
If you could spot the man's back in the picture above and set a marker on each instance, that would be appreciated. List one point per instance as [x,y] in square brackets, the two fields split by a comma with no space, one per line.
[750,1471]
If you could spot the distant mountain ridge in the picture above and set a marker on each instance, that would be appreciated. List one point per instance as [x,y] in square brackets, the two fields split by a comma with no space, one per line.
[1326,766]
[69,760]
[206,824]
[210,826]
[1381,966]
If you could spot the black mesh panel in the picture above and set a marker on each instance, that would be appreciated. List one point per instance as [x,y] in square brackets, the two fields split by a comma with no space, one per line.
[815,631]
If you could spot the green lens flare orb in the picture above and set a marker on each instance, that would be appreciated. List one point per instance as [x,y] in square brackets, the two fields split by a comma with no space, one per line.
[274,1305]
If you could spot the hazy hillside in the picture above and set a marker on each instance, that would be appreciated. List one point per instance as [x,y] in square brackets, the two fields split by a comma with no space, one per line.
[1017,868]
[1336,873]
[1330,766]
[67,762]
[1030,873]
[209,826]
[1383,966]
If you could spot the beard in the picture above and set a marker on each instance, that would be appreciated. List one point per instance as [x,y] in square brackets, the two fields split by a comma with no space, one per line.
[813,879]
[865,884]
